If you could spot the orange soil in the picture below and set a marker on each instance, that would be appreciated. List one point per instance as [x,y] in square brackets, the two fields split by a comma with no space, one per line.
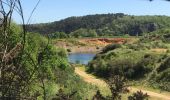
[93,44]
[104,41]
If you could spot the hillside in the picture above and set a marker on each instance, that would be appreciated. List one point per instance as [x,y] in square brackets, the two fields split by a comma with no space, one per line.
[104,24]
[103,86]
[146,61]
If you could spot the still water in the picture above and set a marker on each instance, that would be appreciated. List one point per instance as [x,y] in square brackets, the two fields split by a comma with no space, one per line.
[81,58]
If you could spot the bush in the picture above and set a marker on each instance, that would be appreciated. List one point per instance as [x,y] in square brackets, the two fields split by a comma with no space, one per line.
[68,50]
[129,63]
[98,96]
[83,33]
[165,65]
[58,35]
[164,86]
[139,95]
[117,85]
[110,47]
[163,76]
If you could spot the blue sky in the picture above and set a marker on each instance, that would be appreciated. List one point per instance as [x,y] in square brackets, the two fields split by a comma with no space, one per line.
[54,10]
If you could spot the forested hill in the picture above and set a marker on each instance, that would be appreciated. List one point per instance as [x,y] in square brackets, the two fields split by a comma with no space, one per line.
[105,24]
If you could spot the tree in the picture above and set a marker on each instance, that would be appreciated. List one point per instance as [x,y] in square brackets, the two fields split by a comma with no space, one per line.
[139,95]
[18,56]
[104,25]
[58,35]
[13,77]
[84,33]
[117,85]
[98,96]
[63,96]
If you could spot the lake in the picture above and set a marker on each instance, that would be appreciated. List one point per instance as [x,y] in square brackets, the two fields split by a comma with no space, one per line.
[81,58]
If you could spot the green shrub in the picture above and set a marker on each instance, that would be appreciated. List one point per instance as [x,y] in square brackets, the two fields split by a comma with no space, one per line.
[68,50]
[165,65]
[58,35]
[110,47]
[83,33]
[139,95]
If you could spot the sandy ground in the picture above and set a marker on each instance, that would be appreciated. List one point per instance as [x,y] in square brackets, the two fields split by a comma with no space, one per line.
[98,82]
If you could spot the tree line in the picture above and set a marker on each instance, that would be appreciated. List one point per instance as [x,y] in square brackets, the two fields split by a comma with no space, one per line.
[104,25]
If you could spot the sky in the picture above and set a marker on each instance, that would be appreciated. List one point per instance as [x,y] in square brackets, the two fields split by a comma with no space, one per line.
[55,10]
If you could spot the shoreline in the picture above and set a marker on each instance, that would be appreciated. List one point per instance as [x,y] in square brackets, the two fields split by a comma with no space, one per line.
[83,49]
[82,52]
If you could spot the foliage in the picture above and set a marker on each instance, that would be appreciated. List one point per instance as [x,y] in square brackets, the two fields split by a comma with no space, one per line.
[110,47]
[130,64]
[70,82]
[58,35]
[117,85]
[164,66]
[105,24]
[46,66]
[144,60]
[83,33]
[98,96]
[61,96]
[139,95]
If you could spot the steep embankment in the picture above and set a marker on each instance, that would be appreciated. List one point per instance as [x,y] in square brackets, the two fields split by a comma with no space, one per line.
[100,83]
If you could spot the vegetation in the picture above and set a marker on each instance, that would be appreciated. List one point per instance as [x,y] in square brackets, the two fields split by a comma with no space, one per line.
[52,72]
[98,96]
[58,35]
[139,95]
[117,85]
[83,33]
[62,96]
[146,60]
[104,25]
[33,68]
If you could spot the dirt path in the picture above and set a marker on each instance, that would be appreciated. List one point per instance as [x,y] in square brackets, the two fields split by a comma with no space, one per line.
[159,50]
[98,82]
[89,78]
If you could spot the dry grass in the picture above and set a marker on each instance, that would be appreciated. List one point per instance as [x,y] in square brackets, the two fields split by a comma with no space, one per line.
[159,50]
[104,87]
